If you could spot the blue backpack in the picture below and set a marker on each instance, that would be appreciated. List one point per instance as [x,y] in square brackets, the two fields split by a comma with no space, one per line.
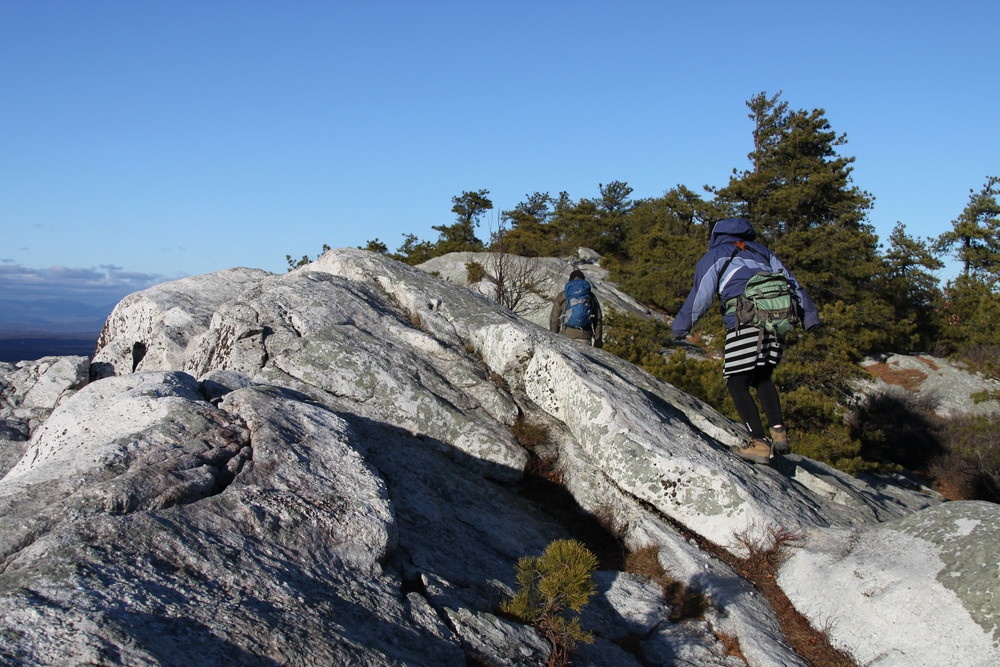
[577,313]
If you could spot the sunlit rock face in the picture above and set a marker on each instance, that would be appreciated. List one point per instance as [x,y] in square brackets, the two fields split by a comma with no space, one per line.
[320,467]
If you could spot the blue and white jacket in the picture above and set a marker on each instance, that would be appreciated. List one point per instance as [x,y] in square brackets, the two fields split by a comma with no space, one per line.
[708,282]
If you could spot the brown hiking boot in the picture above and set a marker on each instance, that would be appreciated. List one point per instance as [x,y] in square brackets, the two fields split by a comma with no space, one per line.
[756,450]
[779,441]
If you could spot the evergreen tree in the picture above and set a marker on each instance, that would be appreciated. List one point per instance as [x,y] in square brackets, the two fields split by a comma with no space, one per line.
[461,236]
[376,246]
[578,223]
[971,311]
[674,226]
[800,199]
[414,251]
[305,259]
[911,288]
[972,301]
[531,233]
[613,206]
[552,590]
[798,180]
[975,236]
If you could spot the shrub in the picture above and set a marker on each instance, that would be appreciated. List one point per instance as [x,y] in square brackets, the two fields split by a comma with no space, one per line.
[969,468]
[553,588]
[528,435]
[983,358]
[984,396]
[474,272]
[764,554]
[896,426]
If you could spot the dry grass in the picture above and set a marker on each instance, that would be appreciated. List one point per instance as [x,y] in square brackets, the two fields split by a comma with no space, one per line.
[765,553]
[731,645]
[645,562]
[528,435]
[685,601]
[546,468]
[534,438]
[763,556]
[606,518]
[499,381]
[909,379]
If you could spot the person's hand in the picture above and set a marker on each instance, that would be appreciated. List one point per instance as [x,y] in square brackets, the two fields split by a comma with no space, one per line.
[680,339]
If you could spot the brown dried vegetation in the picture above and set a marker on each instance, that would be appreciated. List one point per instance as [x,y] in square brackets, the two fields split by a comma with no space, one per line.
[685,601]
[759,565]
[907,378]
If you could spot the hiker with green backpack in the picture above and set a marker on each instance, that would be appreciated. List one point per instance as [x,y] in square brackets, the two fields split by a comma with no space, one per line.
[761,301]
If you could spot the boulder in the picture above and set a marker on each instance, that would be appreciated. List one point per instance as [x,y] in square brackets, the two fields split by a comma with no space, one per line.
[324,464]
[920,590]
[546,275]
[940,384]
[29,391]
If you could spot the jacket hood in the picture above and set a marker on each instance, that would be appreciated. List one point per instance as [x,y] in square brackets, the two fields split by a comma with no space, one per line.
[731,229]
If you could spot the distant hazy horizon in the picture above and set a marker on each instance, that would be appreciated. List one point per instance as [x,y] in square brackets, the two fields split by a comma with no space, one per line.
[13,350]
[49,327]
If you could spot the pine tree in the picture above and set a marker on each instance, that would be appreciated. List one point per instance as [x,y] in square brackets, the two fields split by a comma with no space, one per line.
[553,588]
[675,226]
[912,289]
[531,233]
[461,236]
[972,301]
[975,236]
[798,180]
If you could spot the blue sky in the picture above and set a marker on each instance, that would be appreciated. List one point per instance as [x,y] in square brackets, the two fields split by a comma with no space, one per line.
[143,141]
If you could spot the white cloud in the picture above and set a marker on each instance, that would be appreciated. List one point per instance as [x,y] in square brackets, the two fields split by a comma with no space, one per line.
[106,283]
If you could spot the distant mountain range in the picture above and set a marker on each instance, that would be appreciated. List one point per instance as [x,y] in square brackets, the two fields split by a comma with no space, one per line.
[35,329]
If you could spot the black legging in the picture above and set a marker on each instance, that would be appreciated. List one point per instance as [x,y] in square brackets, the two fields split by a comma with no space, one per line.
[739,388]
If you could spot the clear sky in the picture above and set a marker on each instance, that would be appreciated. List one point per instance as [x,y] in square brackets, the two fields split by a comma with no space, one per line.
[143,141]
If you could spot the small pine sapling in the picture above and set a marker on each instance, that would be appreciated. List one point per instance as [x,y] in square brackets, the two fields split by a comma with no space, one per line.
[553,588]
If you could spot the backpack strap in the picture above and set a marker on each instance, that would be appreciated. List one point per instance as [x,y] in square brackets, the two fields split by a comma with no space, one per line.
[740,245]
[731,304]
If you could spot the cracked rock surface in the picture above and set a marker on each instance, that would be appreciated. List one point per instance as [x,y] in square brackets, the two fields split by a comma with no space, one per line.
[319,468]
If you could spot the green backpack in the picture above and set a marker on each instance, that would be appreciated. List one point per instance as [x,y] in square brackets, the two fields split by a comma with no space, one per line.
[767,303]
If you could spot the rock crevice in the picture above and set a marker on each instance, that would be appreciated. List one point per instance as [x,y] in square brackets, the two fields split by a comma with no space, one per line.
[319,467]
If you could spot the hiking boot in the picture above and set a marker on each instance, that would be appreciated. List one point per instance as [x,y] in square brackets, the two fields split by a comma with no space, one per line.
[756,450]
[779,441]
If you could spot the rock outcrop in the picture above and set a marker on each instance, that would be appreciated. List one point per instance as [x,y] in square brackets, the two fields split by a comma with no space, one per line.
[547,275]
[936,383]
[321,467]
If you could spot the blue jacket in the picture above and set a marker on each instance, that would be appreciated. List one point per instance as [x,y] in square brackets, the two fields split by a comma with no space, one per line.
[708,282]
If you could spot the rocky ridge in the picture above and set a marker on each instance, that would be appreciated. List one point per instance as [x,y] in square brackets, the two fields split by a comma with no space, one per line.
[319,468]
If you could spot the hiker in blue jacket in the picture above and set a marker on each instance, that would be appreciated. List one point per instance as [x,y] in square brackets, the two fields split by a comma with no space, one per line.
[576,312]
[751,354]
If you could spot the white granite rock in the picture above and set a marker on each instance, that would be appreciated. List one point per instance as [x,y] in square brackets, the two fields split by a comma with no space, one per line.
[319,467]
[921,590]
[948,389]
